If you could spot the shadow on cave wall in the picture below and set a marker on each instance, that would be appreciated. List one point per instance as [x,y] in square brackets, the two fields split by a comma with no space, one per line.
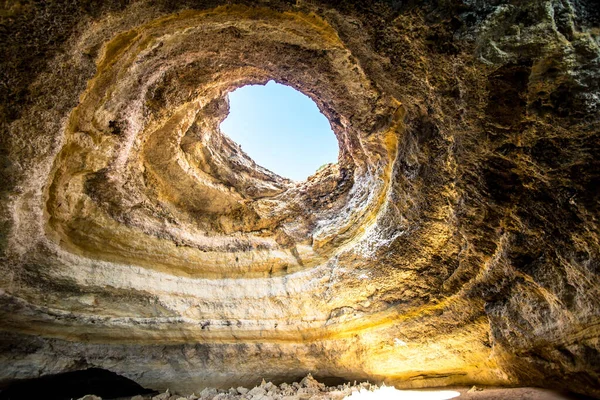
[73,385]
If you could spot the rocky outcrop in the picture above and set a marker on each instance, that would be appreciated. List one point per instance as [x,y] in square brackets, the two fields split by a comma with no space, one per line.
[455,242]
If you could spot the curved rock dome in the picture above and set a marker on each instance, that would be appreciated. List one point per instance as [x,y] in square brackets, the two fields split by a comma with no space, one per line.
[455,242]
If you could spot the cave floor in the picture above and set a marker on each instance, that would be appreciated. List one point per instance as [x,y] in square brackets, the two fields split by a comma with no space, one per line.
[525,393]
[488,393]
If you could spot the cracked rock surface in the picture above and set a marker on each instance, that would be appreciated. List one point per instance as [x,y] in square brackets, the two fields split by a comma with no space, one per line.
[455,242]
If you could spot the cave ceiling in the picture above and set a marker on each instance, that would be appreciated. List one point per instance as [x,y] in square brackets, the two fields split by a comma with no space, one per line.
[456,241]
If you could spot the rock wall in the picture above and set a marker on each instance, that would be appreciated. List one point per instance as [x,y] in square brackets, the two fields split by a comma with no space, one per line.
[455,242]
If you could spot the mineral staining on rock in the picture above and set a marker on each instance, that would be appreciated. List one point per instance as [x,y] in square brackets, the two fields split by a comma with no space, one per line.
[456,242]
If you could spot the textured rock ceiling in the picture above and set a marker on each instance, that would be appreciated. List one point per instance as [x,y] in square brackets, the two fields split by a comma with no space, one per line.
[455,242]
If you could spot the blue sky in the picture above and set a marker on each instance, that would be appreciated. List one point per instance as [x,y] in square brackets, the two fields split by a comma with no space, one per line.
[281,129]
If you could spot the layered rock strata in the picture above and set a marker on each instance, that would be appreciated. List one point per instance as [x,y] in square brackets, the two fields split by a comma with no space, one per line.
[456,241]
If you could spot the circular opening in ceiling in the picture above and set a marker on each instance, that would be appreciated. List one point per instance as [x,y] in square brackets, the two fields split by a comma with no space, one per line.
[281,129]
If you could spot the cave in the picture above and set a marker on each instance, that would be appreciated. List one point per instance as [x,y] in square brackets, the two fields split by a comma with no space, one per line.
[454,245]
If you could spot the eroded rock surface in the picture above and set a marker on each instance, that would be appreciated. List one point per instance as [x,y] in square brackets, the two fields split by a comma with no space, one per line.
[455,242]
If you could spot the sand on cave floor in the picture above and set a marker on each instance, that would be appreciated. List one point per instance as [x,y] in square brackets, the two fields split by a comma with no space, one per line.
[523,393]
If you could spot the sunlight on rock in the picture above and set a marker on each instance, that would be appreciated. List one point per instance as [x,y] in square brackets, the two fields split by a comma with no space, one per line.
[391,393]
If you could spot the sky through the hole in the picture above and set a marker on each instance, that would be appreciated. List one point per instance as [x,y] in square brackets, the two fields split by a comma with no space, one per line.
[281,129]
